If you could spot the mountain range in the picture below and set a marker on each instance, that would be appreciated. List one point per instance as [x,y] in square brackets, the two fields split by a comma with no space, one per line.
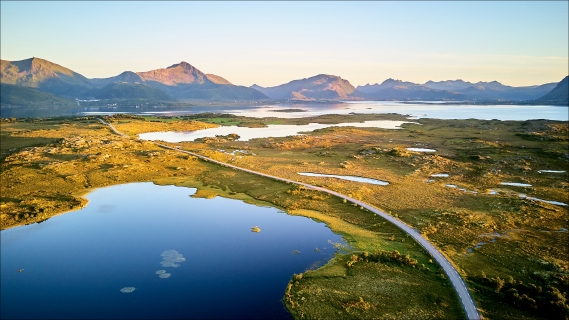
[179,81]
[37,81]
[453,90]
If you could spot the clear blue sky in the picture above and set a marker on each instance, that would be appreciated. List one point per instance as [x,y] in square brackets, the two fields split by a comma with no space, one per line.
[270,43]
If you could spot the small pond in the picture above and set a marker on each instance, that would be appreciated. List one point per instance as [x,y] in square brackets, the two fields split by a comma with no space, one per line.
[272,130]
[523,196]
[349,178]
[515,184]
[146,251]
[421,150]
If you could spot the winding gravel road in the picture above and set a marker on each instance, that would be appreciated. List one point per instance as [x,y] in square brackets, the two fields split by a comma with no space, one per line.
[468,304]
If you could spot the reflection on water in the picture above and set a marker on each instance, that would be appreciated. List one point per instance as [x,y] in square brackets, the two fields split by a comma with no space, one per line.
[273,130]
[349,178]
[76,264]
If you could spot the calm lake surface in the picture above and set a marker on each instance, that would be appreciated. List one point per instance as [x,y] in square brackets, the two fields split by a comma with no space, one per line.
[272,130]
[76,264]
[435,110]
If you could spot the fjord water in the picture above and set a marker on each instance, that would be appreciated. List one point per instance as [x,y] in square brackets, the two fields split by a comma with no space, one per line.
[432,109]
[76,264]
[435,110]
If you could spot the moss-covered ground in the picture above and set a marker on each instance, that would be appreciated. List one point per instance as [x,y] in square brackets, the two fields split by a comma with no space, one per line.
[512,251]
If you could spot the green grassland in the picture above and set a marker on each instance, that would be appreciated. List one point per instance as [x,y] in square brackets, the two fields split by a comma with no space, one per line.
[520,272]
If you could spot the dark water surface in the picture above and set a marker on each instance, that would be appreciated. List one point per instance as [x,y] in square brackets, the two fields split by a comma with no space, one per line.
[76,264]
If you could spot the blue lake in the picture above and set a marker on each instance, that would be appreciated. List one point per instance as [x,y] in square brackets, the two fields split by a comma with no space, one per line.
[76,264]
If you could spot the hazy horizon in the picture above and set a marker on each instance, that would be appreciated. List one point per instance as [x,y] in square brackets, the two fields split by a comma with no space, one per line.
[515,43]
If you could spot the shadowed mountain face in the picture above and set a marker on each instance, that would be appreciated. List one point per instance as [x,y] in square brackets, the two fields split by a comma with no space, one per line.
[322,86]
[127,76]
[180,81]
[558,95]
[123,90]
[13,95]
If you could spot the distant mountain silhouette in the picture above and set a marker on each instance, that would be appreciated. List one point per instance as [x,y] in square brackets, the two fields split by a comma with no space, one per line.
[452,85]
[319,87]
[389,83]
[558,95]
[391,89]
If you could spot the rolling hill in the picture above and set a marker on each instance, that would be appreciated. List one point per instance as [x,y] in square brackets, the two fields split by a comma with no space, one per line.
[13,95]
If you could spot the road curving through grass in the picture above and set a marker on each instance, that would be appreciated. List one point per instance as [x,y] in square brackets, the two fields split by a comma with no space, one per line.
[454,277]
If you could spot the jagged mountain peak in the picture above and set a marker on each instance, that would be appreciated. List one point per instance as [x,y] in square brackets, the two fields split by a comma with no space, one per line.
[180,73]
[182,65]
